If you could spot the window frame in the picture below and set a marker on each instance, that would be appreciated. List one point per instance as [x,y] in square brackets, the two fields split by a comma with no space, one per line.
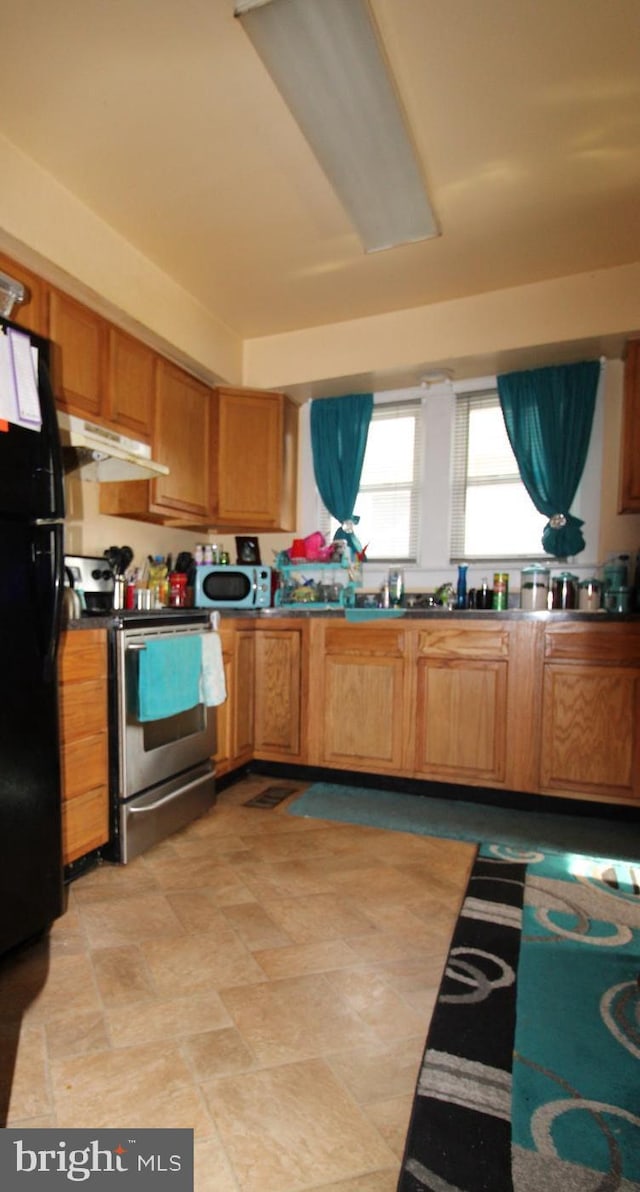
[435,565]
[460,482]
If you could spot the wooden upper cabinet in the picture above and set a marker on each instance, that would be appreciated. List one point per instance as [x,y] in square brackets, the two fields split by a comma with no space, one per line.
[181,440]
[255,460]
[31,314]
[630,454]
[79,336]
[130,384]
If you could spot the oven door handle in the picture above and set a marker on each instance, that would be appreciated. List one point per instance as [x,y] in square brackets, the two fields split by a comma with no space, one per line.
[169,798]
[136,647]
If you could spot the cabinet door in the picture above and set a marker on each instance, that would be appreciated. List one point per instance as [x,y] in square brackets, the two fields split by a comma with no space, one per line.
[630,455]
[591,730]
[362,698]
[83,742]
[255,452]
[31,314]
[130,384]
[80,339]
[460,720]
[461,702]
[278,691]
[181,440]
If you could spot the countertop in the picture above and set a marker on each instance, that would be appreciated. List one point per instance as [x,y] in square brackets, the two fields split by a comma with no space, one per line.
[367,616]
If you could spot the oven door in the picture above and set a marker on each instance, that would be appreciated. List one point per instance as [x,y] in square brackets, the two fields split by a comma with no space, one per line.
[152,751]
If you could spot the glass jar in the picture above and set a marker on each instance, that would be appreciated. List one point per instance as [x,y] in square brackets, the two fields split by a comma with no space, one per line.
[589,595]
[534,588]
[564,590]
[617,600]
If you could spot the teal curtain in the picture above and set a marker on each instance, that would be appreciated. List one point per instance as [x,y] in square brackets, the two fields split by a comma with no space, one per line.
[339,429]
[548,413]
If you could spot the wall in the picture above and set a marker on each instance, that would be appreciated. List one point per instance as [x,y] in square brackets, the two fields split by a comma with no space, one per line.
[46,228]
[618,532]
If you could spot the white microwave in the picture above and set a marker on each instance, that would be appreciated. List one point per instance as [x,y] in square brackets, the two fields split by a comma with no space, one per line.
[228,586]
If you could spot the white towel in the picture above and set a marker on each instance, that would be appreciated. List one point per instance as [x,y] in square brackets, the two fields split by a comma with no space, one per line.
[213,689]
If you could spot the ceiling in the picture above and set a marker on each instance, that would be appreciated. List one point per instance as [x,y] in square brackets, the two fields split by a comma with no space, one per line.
[158,115]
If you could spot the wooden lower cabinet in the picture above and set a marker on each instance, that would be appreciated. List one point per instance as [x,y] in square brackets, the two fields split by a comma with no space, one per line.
[357,681]
[280,682]
[234,717]
[83,741]
[591,712]
[518,705]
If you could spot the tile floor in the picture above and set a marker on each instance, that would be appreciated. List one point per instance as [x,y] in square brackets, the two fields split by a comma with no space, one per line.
[265,979]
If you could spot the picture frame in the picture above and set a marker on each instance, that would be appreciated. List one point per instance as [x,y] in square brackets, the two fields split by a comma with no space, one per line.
[247,550]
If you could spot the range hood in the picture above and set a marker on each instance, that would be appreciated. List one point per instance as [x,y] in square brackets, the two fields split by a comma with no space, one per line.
[103,454]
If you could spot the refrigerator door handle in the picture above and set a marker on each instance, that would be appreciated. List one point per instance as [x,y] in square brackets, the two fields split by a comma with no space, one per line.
[53,611]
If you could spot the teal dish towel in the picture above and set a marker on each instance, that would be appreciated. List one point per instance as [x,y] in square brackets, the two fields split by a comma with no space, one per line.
[169,676]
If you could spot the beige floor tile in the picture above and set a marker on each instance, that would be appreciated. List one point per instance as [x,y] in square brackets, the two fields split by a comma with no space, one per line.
[29,1094]
[284,1127]
[211,1168]
[39,989]
[217,1053]
[199,963]
[112,922]
[165,1018]
[295,1018]
[318,917]
[378,1072]
[285,879]
[108,880]
[255,927]
[139,1086]
[391,1118]
[76,1035]
[376,1181]
[273,971]
[122,975]
[200,911]
[298,959]
[382,1008]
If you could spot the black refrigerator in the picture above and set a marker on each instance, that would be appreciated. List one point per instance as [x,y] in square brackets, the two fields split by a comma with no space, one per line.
[31,570]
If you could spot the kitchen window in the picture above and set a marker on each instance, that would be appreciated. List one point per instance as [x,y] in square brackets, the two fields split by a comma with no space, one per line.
[388,502]
[492,514]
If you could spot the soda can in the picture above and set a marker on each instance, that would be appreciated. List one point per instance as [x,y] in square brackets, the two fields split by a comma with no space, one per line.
[500,590]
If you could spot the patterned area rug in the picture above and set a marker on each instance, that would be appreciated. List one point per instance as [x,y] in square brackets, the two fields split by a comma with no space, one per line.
[530,1079]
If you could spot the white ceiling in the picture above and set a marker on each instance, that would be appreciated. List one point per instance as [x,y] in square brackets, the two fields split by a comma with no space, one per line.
[159,116]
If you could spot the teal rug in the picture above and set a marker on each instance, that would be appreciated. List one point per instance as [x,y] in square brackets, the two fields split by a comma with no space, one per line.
[475,822]
[530,1079]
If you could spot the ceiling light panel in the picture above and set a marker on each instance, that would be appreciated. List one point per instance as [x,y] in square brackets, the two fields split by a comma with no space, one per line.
[325,59]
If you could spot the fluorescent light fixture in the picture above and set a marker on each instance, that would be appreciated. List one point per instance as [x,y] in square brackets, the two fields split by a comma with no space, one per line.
[325,59]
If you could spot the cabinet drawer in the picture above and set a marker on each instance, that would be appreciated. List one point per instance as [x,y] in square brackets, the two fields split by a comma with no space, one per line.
[470,640]
[618,642]
[365,639]
[83,655]
[83,710]
[85,824]
[84,765]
